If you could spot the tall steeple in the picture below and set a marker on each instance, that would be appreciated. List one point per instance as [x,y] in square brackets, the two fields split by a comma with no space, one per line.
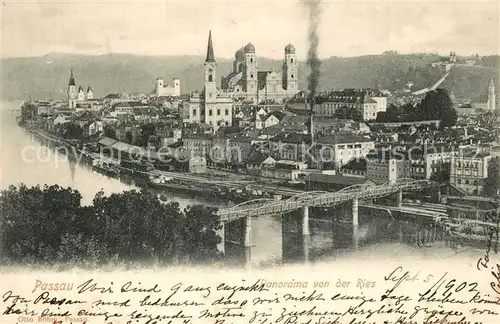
[72,78]
[210,49]
[72,95]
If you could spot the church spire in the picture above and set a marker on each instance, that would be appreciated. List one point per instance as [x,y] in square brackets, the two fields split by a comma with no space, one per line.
[210,49]
[72,78]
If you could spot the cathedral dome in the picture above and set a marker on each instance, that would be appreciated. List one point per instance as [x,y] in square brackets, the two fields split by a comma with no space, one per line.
[290,49]
[249,48]
[240,54]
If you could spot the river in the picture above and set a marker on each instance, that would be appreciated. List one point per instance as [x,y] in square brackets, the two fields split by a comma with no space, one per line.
[25,160]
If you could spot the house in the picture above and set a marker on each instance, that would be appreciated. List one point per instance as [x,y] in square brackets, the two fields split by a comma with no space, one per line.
[355,167]
[284,170]
[197,164]
[271,120]
[338,149]
[93,127]
[61,119]
[289,146]
[258,160]
[84,118]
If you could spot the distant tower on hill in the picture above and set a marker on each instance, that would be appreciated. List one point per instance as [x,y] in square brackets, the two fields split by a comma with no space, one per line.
[491,96]
[72,95]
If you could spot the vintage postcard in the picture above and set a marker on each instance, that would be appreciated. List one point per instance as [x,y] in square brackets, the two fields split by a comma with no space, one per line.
[249,162]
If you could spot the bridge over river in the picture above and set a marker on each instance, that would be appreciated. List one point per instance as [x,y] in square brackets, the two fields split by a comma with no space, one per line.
[241,215]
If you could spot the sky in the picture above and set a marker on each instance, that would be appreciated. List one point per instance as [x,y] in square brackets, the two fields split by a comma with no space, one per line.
[180,27]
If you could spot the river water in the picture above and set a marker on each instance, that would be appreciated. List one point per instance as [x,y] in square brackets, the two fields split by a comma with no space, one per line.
[25,160]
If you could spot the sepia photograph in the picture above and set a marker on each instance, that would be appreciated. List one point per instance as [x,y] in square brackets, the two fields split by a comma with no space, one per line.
[242,138]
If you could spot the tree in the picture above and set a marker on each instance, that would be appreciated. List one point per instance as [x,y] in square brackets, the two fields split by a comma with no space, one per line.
[28,112]
[438,105]
[35,221]
[72,131]
[110,132]
[391,114]
[129,137]
[199,235]
[49,226]
[348,113]
[492,183]
[441,176]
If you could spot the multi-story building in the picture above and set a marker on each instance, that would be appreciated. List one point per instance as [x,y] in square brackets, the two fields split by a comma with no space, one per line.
[418,162]
[337,150]
[164,90]
[468,171]
[211,106]
[246,81]
[367,102]
[198,144]
[384,166]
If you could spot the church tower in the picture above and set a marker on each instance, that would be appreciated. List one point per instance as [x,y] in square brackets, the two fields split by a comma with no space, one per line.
[72,91]
[290,78]
[90,93]
[210,85]
[81,94]
[491,96]
[250,72]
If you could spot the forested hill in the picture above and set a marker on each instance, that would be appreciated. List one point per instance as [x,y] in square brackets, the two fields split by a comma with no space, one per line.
[46,77]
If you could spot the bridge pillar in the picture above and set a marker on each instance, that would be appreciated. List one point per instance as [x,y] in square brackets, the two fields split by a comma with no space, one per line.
[305,220]
[399,199]
[222,233]
[355,223]
[247,240]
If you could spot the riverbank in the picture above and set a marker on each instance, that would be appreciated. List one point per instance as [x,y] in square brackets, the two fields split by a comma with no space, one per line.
[190,183]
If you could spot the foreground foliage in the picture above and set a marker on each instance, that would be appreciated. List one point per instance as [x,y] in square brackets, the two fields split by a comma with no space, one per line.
[46,226]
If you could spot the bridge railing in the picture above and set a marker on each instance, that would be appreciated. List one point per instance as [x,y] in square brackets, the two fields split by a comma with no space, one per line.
[321,198]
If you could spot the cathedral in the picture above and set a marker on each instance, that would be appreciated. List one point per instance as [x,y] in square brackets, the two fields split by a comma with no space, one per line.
[211,106]
[77,97]
[246,81]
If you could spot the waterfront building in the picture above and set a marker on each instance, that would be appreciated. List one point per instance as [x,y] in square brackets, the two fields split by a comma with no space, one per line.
[246,81]
[211,106]
[469,171]
[418,162]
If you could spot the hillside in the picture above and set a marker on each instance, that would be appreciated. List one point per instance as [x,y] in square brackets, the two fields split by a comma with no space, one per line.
[47,76]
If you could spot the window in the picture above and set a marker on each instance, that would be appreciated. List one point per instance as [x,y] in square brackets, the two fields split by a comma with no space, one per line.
[210,112]
[210,78]
[251,60]
[291,76]
[467,181]
[194,112]
[291,61]
[227,112]
[251,76]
